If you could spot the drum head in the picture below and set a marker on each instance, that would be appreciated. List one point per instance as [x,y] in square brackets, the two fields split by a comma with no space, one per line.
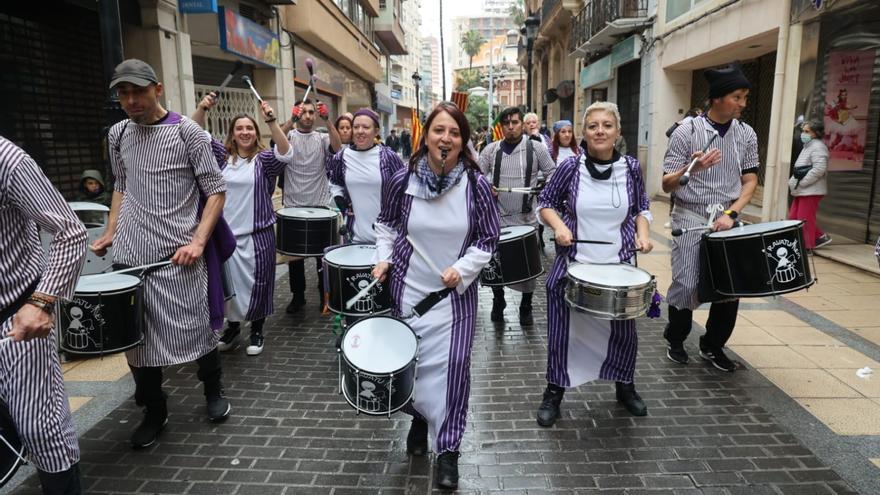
[612,274]
[351,255]
[107,282]
[379,344]
[755,228]
[307,213]
[515,231]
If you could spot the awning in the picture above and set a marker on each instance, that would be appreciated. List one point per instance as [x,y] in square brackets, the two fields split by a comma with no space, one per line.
[602,70]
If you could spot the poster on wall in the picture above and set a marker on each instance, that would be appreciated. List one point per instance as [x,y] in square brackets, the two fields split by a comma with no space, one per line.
[248,39]
[847,96]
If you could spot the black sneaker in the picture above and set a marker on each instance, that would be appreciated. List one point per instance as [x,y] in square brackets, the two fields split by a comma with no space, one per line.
[148,431]
[256,347]
[447,470]
[229,340]
[525,316]
[296,304]
[823,240]
[548,411]
[626,394]
[676,353]
[417,439]
[716,357]
[498,306]
[218,405]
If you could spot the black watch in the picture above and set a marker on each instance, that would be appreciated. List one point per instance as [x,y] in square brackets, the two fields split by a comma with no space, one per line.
[731,213]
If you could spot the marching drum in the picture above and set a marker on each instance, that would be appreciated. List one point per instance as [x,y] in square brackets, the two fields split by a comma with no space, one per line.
[517,259]
[754,260]
[306,231]
[614,291]
[12,452]
[105,316]
[348,270]
[377,365]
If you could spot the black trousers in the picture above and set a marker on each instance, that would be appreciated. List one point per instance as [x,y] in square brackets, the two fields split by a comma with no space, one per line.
[148,379]
[719,326]
[297,275]
[64,483]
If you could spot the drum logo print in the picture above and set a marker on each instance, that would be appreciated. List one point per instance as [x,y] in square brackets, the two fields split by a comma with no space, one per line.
[78,333]
[493,269]
[367,303]
[374,393]
[784,253]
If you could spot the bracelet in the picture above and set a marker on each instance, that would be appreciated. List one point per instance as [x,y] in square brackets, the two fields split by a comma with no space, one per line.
[43,304]
[273,119]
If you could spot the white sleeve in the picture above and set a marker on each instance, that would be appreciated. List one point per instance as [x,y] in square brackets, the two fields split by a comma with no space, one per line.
[286,158]
[385,237]
[469,266]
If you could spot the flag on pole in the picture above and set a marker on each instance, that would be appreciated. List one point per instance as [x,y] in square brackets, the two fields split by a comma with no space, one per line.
[497,131]
[460,98]
[416,130]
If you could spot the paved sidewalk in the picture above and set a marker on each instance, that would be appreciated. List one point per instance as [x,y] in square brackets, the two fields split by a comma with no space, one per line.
[706,432]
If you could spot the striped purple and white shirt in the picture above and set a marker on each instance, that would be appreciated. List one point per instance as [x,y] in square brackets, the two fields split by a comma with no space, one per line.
[305,178]
[28,200]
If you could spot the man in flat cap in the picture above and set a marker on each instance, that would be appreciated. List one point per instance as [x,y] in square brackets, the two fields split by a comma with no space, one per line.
[167,201]
[726,175]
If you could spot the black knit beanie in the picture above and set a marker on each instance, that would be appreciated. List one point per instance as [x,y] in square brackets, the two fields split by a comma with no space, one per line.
[725,81]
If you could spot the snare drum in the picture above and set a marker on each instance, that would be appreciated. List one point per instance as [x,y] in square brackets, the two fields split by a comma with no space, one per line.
[517,259]
[306,231]
[12,452]
[377,365]
[348,270]
[614,291]
[105,316]
[754,260]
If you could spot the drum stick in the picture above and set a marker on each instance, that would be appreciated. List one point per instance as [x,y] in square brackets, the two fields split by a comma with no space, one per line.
[687,173]
[590,241]
[310,66]
[236,68]
[518,190]
[247,81]
[678,232]
[363,292]
[421,253]
[137,268]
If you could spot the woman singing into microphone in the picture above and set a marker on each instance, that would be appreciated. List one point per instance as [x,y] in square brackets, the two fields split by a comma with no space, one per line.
[446,207]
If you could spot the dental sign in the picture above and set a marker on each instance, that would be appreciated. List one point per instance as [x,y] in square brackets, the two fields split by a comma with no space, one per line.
[197,6]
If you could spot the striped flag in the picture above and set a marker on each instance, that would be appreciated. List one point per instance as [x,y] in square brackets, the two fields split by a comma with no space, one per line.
[416,130]
[497,131]
[460,98]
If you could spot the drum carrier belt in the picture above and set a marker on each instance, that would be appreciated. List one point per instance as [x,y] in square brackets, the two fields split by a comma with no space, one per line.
[527,181]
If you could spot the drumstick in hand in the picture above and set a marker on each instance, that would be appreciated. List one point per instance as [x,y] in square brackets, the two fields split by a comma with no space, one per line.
[363,292]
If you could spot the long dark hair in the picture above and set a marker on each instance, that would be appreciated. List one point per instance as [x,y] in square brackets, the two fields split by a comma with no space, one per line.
[573,145]
[463,127]
[232,147]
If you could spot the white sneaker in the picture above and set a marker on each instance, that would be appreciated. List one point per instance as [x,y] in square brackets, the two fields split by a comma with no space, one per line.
[229,340]
[667,225]
[256,347]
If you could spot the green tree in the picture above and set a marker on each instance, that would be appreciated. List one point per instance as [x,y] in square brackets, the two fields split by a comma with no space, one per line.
[477,112]
[467,79]
[471,42]
[517,15]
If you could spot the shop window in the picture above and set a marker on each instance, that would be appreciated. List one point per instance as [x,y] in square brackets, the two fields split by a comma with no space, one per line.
[676,8]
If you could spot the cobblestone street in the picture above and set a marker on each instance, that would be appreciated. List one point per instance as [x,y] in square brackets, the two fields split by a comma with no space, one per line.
[291,433]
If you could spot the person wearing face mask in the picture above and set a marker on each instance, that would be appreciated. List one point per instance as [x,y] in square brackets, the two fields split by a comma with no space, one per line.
[357,174]
[250,172]
[598,194]
[727,174]
[564,144]
[515,161]
[446,207]
[808,183]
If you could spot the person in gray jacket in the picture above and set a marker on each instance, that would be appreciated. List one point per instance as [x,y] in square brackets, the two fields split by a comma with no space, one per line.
[808,183]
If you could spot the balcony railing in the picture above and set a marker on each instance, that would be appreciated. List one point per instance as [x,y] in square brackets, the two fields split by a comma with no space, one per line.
[597,14]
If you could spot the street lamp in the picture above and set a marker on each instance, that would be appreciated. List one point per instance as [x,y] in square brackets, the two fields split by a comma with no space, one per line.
[416,78]
[531,32]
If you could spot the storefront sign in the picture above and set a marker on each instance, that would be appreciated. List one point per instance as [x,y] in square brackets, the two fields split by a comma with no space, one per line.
[847,96]
[395,94]
[248,39]
[625,51]
[197,6]
[596,73]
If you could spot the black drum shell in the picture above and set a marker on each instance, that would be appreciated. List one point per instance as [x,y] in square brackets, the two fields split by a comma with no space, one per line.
[342,286]
[296,236]
[739,266]
[122,313]
[515,260]
[10,460]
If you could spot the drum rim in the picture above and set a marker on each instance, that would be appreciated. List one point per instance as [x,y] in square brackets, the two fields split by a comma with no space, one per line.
[568,275]
[21,452]
[340,246]
[765,294]
[534,230]
[795,226]
[414,359]
[492,284]
[333,216]
[604,315]
[310,255]
[581,283]
[375,413]
[134,288]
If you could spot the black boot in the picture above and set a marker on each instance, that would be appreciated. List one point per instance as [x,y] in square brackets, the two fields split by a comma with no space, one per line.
[417,439]
[64,483]
[548,412]
[525,310]
[631,400]
[148,394]
[297,274]
[447,470]
[210,373]
[498,305]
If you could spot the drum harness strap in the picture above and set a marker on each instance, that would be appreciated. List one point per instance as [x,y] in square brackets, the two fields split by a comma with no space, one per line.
[496,174]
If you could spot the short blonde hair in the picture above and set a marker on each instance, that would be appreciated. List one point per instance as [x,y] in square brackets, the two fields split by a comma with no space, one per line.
[602,106]
[529,116]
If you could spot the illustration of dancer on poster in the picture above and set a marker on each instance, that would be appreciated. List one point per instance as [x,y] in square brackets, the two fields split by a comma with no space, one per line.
[846,107]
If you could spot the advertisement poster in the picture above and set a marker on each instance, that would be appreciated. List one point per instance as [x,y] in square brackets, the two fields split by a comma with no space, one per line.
[248,39]
[847,96]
